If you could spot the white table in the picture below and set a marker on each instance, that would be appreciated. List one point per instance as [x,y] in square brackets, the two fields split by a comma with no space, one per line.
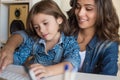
[13,72]
[86,76]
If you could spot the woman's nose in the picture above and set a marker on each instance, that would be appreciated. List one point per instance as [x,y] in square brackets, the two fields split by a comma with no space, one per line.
[81,12]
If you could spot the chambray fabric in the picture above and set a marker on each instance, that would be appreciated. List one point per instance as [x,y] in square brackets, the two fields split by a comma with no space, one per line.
[67,49]
[101,57]
[24,50]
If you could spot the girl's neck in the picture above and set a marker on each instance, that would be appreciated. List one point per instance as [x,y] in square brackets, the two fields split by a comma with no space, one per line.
[55,39]
[50,44]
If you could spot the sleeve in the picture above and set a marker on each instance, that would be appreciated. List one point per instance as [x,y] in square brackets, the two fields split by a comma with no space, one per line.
[71,53]
[24,50]
[110,59]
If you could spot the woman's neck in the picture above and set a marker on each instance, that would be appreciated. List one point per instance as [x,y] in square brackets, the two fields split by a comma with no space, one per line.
[84,37]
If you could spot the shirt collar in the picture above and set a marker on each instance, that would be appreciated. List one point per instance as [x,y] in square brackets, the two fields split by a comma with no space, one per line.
[93,41]
[42,41]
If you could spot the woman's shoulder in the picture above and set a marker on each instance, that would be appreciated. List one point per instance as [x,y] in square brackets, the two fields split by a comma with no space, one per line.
[106,45]
[96,42]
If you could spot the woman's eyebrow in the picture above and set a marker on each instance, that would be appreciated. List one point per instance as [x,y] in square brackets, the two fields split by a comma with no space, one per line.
[88,4]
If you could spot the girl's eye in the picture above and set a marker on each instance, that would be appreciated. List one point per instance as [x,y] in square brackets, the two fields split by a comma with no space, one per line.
[36,27]
[45,23]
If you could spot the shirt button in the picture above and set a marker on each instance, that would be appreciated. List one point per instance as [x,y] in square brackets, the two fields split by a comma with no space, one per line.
[88,52]
[86,63]
[96,65]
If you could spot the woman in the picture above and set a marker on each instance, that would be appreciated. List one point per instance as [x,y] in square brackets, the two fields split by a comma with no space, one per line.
[95,24]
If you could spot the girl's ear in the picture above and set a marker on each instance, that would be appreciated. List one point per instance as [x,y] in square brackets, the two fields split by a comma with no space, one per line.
[59,20]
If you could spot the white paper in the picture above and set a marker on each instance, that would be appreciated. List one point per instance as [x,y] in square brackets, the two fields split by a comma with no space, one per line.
[14,72]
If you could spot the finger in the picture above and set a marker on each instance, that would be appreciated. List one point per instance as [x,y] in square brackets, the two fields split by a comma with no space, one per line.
[39,71]
[40,76]
[6,62]
[2,56]
[1,61]
[36,67]
[2,66]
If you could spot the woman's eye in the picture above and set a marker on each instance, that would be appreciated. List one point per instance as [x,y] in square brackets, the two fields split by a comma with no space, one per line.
[89,9]
[78,6]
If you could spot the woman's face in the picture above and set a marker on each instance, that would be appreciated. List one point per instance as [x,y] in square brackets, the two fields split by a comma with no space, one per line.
[86,13]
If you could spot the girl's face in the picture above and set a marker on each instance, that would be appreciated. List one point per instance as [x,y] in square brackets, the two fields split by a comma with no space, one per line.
[46,26]
[86,13]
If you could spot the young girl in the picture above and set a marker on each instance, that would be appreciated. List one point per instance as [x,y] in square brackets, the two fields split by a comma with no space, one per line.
[47,41]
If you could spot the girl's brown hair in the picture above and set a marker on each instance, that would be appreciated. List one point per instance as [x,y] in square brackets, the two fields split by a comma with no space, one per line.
[107,22]
[48,7]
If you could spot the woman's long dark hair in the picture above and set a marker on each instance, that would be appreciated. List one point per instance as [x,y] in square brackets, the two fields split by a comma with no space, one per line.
[107,22]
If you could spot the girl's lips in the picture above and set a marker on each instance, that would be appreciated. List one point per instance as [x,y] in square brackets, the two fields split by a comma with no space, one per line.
[44,35]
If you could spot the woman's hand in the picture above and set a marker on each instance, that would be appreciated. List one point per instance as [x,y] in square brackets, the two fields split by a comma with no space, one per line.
[40,71]
[6,53]
[6,57]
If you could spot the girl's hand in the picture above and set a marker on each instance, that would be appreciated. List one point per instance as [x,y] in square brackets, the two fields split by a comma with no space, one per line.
[40,71]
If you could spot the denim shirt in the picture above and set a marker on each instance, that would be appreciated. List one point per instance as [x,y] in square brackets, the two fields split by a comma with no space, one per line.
[101,57]
[67,49]
[24,50]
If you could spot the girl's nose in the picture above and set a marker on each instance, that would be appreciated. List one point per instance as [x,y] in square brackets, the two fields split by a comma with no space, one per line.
[42,29]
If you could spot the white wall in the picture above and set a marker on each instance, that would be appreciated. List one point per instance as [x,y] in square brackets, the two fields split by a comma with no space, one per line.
[3,23]
[65,6]
[0,24]
[117,6]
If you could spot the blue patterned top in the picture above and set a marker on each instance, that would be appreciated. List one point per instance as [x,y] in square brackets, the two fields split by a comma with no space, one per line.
[67,49]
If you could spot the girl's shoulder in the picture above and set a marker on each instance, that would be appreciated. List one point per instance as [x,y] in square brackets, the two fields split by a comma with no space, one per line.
[68,38]
[70,41]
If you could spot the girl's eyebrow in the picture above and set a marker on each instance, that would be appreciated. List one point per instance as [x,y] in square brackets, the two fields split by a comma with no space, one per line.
[45,19]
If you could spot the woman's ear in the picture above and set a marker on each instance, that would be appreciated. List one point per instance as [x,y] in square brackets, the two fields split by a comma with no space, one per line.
[59,20]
